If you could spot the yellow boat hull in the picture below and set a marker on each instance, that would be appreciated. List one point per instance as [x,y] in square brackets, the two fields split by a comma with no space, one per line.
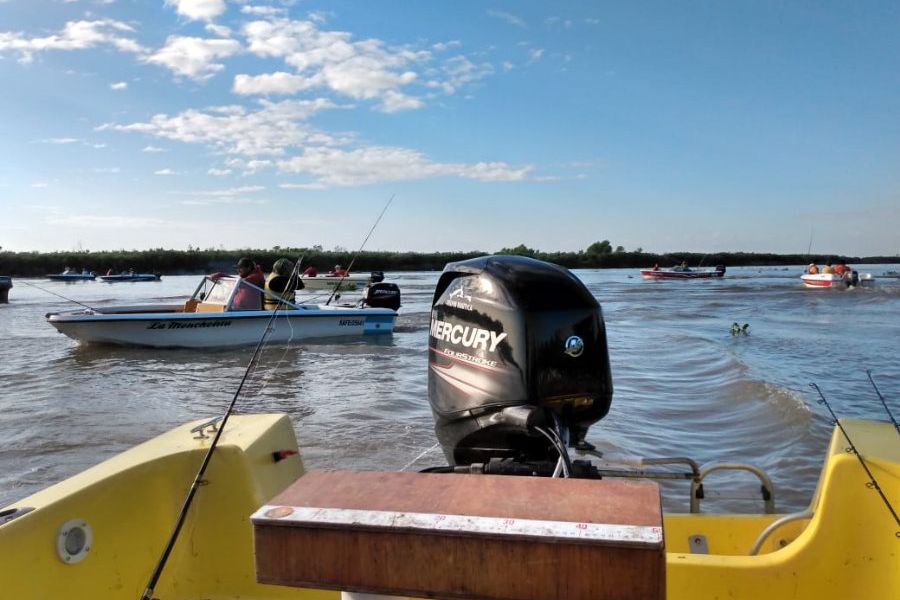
[849,548]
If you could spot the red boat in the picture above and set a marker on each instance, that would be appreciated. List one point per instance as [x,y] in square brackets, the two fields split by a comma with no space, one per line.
[683,273]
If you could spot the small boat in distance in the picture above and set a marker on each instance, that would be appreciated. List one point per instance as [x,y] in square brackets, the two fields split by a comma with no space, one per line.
[69,275]
[131,277]
[348,282]
[216,316]
[848,280]
[682,272]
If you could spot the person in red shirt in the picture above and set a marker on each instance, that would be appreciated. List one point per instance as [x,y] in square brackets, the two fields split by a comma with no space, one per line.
[338,271]
[246,297]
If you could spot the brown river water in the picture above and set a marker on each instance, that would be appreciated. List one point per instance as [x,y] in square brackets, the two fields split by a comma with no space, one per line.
[684,385]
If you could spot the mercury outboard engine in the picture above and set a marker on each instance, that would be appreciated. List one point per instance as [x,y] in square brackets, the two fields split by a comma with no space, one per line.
[516,345]
[382,295]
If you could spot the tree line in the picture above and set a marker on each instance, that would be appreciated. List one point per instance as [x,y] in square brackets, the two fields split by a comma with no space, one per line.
[598,255]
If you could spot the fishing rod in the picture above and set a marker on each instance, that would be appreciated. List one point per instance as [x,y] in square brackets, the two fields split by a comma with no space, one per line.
[350,266]
[60,296]
[883,403]
[198,479]
[873,483]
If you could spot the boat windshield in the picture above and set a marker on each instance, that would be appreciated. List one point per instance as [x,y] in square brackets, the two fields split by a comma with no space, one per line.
[218,292]
[231,293]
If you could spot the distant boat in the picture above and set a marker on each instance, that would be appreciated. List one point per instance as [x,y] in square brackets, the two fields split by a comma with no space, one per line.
[833,280]
[683,273]
[72,276]
[131,277]
[348,282]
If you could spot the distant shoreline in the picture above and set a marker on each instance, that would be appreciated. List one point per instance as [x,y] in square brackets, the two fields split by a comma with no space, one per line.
[183,262]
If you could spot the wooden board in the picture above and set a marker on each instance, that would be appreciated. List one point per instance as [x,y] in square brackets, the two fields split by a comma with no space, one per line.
[464,536]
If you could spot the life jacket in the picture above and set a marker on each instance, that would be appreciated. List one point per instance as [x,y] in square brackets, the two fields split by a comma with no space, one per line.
[278,285]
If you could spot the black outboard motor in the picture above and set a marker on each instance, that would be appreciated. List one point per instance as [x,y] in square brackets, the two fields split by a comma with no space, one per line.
[720,270]
[514,342]
[382,295]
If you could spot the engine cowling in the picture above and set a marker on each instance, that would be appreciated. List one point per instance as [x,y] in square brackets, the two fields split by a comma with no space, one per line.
[510,332]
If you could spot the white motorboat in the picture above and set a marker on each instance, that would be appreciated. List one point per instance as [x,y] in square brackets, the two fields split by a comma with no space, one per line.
[849,279]
[215,316]
[349,282]
[683,273]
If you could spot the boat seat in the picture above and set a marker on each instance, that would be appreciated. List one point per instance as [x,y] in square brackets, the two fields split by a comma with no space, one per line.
[428,535]
[190,306]
[208,307]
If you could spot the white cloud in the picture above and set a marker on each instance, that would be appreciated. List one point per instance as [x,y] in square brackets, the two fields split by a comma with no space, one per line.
[198,10]
[107,170]
[224,196]
[105,222]
[165,172]
[535,54]
[219,30]
[457,72]
[365,69]
[508,17]
[246,189]
[272,83]
[193,57]
[76,35]
[442,46]
[119,85]
[263,11]
[153,149]
[58,141]
[395,101]
[303,186]
[277,129]
[272,129]
[336,167]
[40,184]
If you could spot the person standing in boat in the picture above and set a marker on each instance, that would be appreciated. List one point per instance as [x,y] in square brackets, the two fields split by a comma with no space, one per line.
[246,297]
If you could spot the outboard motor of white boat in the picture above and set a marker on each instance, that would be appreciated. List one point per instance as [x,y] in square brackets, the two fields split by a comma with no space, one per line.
[517,347]
[382,295]
[720,269]
[851,278]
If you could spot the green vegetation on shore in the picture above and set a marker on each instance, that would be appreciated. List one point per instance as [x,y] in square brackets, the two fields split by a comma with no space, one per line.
[173,262]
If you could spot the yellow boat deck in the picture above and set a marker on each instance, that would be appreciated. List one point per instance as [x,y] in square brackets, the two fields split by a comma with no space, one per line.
[849,548]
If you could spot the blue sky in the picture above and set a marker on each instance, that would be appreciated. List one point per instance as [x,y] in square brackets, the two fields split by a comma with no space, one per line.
[700,126]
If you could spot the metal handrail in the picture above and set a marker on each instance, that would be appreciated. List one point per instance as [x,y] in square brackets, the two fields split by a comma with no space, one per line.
[767,489]
[808,514]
